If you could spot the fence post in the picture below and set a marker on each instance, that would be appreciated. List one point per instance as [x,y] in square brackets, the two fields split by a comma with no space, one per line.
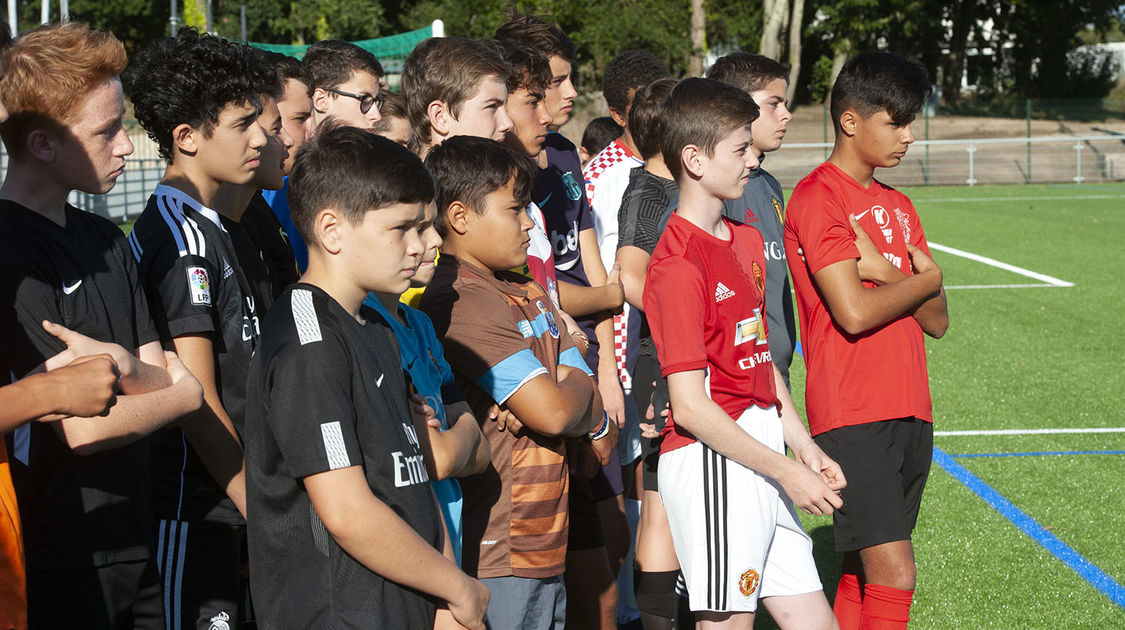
[972,149]
[926,169]
[1027,180]
[826,115]
[1078,163]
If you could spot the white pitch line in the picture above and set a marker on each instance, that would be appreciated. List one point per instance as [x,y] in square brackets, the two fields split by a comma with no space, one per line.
[1051,280]
[1048,198]
[1029,431]
[1002,286]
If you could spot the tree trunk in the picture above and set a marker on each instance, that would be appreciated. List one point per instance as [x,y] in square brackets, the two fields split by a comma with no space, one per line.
[698,39]
[843,50]
[773,15]
[955,62]
[797,18]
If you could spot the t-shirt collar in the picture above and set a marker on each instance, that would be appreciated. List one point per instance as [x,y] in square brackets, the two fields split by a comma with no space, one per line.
[485,275]
[164,190]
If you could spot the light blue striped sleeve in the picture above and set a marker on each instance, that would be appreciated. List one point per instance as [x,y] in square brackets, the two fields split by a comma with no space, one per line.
[507,376]
[572,357]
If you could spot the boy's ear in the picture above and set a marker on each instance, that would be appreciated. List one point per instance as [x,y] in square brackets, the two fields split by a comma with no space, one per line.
[692,159]
[439,116]
[618,117]
[41,145]
[457,217]
[328,228]
[848,121]
[320,99]
[184,139]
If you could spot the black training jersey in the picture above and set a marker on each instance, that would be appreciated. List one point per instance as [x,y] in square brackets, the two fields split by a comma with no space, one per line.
[76,510]
[194,285]
[265,230]
[645,207]
[327,392]
[252,262]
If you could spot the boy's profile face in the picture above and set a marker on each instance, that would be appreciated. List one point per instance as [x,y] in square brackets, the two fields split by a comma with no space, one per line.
[277,150]
[345,102]
[384,249]
[724,174]
[483,115]
[233,152]
[528,111]
[431,241]
[93,150]
[396,129]
[560,92]
[501,233]
[880,142]
[773,116]
[296,117]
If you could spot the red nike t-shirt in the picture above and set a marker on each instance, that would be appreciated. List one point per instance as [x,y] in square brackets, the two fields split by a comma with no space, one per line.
[879,374]
[706,308]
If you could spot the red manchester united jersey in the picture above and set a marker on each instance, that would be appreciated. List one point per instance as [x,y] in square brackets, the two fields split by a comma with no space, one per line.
[704,301]
[879,374]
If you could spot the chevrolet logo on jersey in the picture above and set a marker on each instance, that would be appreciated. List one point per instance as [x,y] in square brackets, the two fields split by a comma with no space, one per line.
[751,329]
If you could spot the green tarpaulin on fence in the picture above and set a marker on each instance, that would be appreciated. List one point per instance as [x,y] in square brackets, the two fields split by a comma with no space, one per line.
[391,47]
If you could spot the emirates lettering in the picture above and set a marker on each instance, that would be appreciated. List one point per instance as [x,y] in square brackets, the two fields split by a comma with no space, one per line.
[409,470]
[754,360]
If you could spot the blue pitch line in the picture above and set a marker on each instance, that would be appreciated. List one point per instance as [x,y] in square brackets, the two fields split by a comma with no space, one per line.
[962,455]
[1079,564]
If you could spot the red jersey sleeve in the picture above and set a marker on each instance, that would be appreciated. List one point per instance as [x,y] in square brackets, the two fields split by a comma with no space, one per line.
[824,233]
[675,302]
[917,236]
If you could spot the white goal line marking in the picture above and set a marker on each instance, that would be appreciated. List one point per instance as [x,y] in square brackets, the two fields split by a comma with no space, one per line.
[1050,280]
[991,199]
[1029,431]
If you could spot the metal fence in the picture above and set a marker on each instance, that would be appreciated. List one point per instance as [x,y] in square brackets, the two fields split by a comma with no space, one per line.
[1036,160]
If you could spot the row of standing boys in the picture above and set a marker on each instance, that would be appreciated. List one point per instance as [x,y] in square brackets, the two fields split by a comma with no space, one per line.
[409,361]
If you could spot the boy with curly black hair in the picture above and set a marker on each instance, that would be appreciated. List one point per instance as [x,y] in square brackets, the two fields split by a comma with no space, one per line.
[199,97]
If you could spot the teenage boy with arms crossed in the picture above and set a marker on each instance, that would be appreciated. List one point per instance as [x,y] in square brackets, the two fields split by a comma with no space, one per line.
[198,96]
[346,531]
[586,294]
[865,303]
[727,486]
[504,341]
[82,483]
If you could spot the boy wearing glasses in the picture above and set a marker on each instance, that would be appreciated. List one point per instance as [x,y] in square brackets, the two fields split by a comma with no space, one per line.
[346,82]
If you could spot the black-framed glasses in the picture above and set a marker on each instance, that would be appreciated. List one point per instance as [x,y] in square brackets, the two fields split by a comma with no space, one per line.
[365,100]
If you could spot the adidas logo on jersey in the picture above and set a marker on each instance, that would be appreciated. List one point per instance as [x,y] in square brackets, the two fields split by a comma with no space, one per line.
[722,293]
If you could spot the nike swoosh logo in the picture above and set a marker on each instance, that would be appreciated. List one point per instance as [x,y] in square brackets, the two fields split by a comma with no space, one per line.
[860,215]
[72,288]
[540,203]
[379,381]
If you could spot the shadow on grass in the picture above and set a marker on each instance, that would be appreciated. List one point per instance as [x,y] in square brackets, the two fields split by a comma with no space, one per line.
[827,565]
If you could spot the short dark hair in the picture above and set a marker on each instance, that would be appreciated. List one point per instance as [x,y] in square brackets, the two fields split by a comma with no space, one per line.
[353,171]
[702,112]
[189,79]
[629,71]
[333,61]
[646,117]
[534,32]
[874,81]
[291,69]
[275,87]
[530,69]
[446,69]
[5,35]
[468,169]
[599,133]
[394,106]
[748,72]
